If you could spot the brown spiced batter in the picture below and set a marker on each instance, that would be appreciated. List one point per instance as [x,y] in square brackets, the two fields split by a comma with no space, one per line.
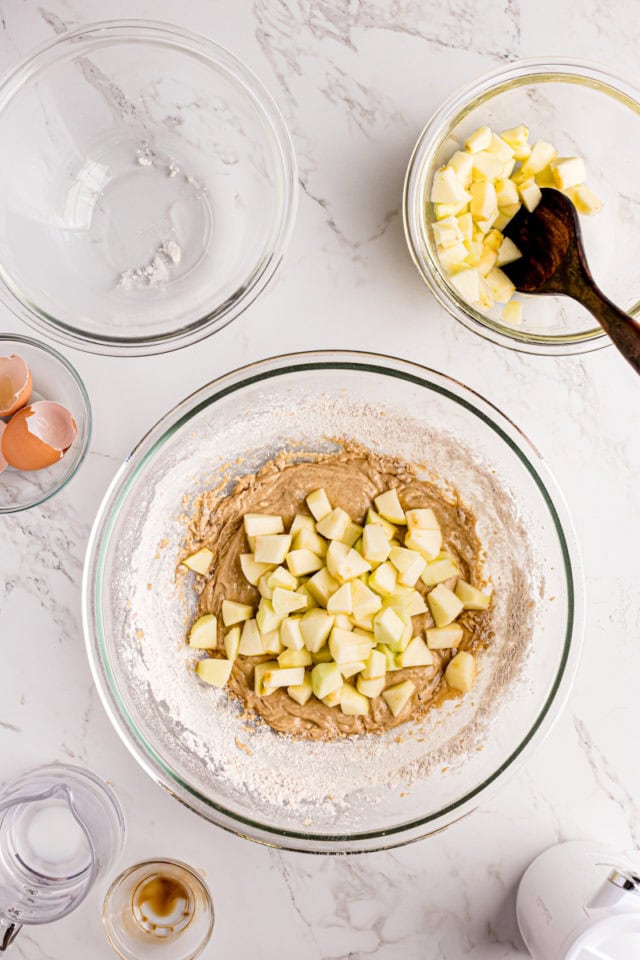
[352,479]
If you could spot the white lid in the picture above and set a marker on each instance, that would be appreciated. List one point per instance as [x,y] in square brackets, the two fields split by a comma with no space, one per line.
[613,938]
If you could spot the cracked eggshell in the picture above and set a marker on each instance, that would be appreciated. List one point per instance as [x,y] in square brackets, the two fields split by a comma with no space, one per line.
[15,384]
[38,435]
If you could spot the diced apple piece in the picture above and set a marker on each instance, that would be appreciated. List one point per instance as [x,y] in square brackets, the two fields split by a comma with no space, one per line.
[233,612]
[479,140]
[200,561]
[364,601]
[354,565]
[447,232]
[568,172]
[422,519]
[530,194]
[325,679]
[303,562]
[263,587]
[352,534]
[301,692]
[493,240]
[417,654]
[388,627]
[467,283]
[352,702]
[522,151]
[304,591]
[398,696]
[346,646]
[500,147]
[389,507]
[461,671]
[310,540]
[250,640]
[486,224]
[444,605]
[487,166]
[487,261]
[389,656]
[266,618]
[409,564]
[294,658]
[471,597]
[204,633]
[271,642]
[486,300]
[452,259]
[584,199]
[283,579]
[252,570]
[516,136]
[323,655]
[343,621]
[322,585]
[302,522]
[508,252]
[414,603]
[258,678]
[287,677]
[232,643]
[465,224]
[502,289]
[316,625]
[428,543]
[341,601]
[287,601]
[400,645]
[506,192]
[501,221]
[351,669]
[290,634]
[375,544]
[512,313]
[333,699]
[262,524]
[375,666]
[444,210]
[462,165]
[444,638]
[541,156]
[318,503]
[545,178]
[216,672]
[272,548]
[334,525]
[438,571]
[389,528]
[447,188]
[336,555]
[484,203]
[383,580]
[371,687]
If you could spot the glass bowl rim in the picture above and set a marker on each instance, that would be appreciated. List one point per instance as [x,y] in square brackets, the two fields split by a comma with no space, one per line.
[115,498]
[446,117]
[60,49]
[88,416]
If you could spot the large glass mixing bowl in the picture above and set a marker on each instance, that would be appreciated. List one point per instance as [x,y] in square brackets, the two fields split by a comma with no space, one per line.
[358,793]
[149,192]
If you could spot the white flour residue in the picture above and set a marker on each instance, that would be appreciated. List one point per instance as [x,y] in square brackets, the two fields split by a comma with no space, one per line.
[345,785]
[158,270]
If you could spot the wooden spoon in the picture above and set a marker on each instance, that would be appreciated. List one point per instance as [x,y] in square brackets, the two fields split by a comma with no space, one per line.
[553,261]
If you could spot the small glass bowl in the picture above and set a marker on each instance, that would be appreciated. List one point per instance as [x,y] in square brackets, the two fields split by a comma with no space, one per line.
[581,109]
[150,188]
[53,379]
[140,927]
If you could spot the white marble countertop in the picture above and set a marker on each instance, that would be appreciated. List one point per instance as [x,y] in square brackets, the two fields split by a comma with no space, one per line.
[357,77]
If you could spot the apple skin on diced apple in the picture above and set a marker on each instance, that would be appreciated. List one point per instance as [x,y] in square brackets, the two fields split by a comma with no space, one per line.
[325,679]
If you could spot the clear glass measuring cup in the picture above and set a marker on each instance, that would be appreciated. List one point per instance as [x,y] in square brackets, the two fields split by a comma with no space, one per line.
[61,828]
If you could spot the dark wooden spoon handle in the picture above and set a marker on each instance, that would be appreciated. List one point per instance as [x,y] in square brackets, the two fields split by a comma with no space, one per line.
[623,329]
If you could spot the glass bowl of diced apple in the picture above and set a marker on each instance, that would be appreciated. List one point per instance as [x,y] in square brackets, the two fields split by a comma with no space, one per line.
[355,792]
[487,152]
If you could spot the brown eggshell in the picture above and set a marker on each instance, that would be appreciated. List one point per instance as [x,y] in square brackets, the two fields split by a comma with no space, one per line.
[38,435]
[15,384]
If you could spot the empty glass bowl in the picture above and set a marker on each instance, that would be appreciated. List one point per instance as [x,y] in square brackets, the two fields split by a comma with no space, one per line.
[53,379]
[359,793]
[581,109]
[149,192]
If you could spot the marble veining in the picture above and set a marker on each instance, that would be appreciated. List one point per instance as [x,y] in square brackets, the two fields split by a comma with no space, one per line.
[356,81]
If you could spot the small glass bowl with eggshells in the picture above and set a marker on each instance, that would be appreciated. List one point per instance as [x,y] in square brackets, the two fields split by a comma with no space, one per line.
[45,422]
[583,111]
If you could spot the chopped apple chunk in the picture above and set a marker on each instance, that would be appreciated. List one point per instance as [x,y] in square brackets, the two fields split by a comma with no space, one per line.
[204,633]
[318,503]
[461,671]
[444,605]
[398,696]
[215,672]
[200,561]
[471,597]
